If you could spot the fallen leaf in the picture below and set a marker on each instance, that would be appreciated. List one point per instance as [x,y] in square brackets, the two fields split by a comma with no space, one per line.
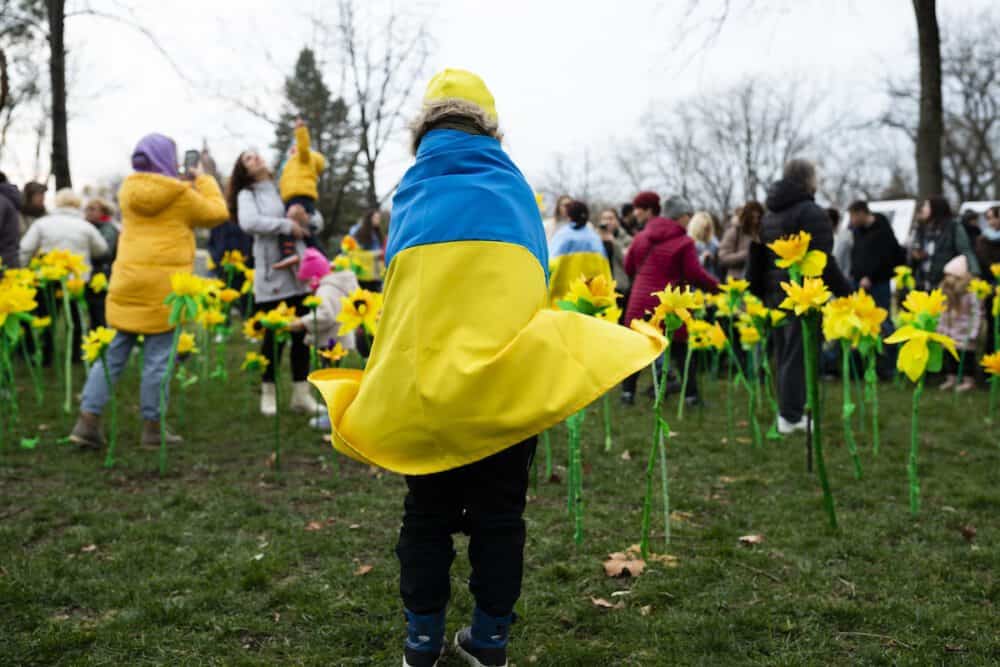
[89,548]
[618,594]
[681,517]
[968,532]
[258,557]
[42,427]
[724,479]
[623,565]
[743,423]
[363,570]
[626,456]
[604,604]
[313,526]
[555,479]
[271,460]
[954,648]
[750,540]
[665,559]
[743,441]
[354,526]
[963,453]
[646,611]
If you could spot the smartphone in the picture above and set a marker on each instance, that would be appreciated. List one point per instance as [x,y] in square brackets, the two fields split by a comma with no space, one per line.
[191,159]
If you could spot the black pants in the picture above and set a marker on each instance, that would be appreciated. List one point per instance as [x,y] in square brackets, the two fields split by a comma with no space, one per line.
[791,376]
[95,307]
[45,336]
[967,359]
[286,242]
[485,500]
[678,352]
[300,351]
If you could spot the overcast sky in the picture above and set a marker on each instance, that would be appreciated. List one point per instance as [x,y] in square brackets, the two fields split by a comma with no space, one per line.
[566,74]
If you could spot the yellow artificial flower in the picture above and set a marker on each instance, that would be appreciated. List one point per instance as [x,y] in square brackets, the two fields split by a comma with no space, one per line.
[749,335]
[776,315]
[674,301]
[98,283]
[870,316]
[991,363]
[598,291]
[915,353]
[210,318]
[610,314]
[717,337]
[16,299]
[995,270]
[96,342]
[61,263]
[647,329]
[754,308]
[722,305]
[234,259]
[334,354]
[980,288]
[734,286]
[21,277]
[252,329]
[41,322]
[810,295]
[278,318]
[75,287]
[904,277]
[794,251]
[210,264]
[228,295]
[359,308]
[348,244]
[840,322]
[247,282]
[923,303]
[312,302]
[185,344]
[341,263]
[254,362]
[185,284]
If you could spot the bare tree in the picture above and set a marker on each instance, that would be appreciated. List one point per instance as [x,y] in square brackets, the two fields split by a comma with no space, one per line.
[383,66]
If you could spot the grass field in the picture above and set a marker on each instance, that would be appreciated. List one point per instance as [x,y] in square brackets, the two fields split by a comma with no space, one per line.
[226,561]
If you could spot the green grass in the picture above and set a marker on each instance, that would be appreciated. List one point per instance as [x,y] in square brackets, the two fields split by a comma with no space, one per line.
[213,564]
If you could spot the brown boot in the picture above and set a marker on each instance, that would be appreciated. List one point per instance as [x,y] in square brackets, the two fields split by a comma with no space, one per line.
[151,434]
[87,432]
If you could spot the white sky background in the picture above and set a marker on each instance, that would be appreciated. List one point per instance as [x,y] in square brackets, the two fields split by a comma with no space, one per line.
[566,74]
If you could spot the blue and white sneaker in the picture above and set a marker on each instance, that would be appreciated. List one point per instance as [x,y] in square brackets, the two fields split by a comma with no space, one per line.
[424,639]
[485,643]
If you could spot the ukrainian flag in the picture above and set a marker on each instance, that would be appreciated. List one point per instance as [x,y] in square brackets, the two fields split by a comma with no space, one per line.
[574,253]
[469,359]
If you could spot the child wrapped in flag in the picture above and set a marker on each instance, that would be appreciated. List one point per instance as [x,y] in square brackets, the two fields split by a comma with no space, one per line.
[469,363]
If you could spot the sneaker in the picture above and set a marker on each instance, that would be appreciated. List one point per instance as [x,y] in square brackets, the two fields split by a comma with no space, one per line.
[424,639]
[286,263]
[693,401]
[967,385]
[786,427]
[948,384]
[485,643]
[628,398]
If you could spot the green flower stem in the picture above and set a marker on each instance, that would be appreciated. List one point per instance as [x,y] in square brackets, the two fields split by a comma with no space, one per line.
[164,387]
[109,460]
[575,425]
[607,422]
[772,433]
[33,370]
[849,407]
[911,467]
[68,402]
[871,391]
[684,383]
[812,394]
[50,300]
[730,422]
[657,444]
[277,403]
[752,394]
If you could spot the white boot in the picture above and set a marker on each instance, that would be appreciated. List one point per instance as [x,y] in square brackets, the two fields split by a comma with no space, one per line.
[302,400]
[786,427]
[268,399]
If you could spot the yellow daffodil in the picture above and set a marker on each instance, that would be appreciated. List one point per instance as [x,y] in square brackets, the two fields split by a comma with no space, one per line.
[734,286]
[278,318]
[334,354]
[749,335]
[247,287]
[75,287]
[96,342]
[254,362]
[647,329]
[185,284]
[776,315]
[810,295]
[252,329]
[839,320]
[234,259]
[211,318]
[228,295]
[360,308]
[675,306]
[904,277]
[58,264]
[915,353]
[348,244]
[185,344]
[610,314]
[21,277]
[210,264]
[15,299]
[870,316]
[722,305]
[312,302]
[995,270]
[793,251]
[991,363]
[41,322]
[98,283]
[341,263]
[754,308]
[980,288]
[598,291]
[924,303]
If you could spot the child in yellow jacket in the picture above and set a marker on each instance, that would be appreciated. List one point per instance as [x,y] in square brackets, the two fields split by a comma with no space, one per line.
[298,187]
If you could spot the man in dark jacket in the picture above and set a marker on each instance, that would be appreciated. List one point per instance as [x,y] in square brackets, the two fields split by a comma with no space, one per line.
[791,208]
[875,255]
[10,223]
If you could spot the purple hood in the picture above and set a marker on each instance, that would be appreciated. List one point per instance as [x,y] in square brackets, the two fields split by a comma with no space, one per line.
[157,154]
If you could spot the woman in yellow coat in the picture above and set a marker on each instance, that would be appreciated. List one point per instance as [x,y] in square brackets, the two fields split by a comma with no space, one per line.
[159,212]
[469,364]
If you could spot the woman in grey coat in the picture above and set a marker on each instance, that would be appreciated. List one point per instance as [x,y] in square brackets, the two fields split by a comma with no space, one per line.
[255,204]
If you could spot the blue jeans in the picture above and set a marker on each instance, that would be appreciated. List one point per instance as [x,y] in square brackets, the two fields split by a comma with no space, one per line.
[156,353]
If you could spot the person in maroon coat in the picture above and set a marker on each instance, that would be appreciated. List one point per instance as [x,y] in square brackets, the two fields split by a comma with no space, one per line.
[662,254]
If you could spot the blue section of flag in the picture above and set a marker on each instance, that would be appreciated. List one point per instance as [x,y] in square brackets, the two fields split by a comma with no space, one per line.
[464,187]
[567,241]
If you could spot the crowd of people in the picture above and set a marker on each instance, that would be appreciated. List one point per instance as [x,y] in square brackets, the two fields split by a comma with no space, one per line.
[646,245]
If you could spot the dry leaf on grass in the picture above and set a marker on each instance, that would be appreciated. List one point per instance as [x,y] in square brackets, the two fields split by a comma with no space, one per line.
[626,456]
[90,548]
[750,540]
[313,526]
[601,603]
[363,570]
[646,611]
[623,565]
[968,532]
[271,460]
[664,559]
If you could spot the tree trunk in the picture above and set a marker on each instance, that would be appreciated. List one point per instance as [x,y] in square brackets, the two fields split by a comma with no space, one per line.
[57,74]
[930,130]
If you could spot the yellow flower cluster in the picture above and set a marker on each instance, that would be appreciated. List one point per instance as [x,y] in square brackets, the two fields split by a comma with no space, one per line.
[922,343]
[58,264]
[17,296]
[853,318]
[254,362]
[96,342]
[278,318]
[705,336]
[186,344]
[808,296]
[674,309]
[98,283]
[234,259]
[904,278]
[980,288]
[312,302]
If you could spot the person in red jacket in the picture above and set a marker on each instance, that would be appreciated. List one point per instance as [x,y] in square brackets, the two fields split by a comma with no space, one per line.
[662,254]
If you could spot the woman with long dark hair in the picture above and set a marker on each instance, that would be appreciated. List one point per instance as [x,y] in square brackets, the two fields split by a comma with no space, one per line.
[937,238]
[370,237]
[254,202]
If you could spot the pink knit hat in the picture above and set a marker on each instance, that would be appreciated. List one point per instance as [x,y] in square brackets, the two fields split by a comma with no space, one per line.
[313,267]
[957,266]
